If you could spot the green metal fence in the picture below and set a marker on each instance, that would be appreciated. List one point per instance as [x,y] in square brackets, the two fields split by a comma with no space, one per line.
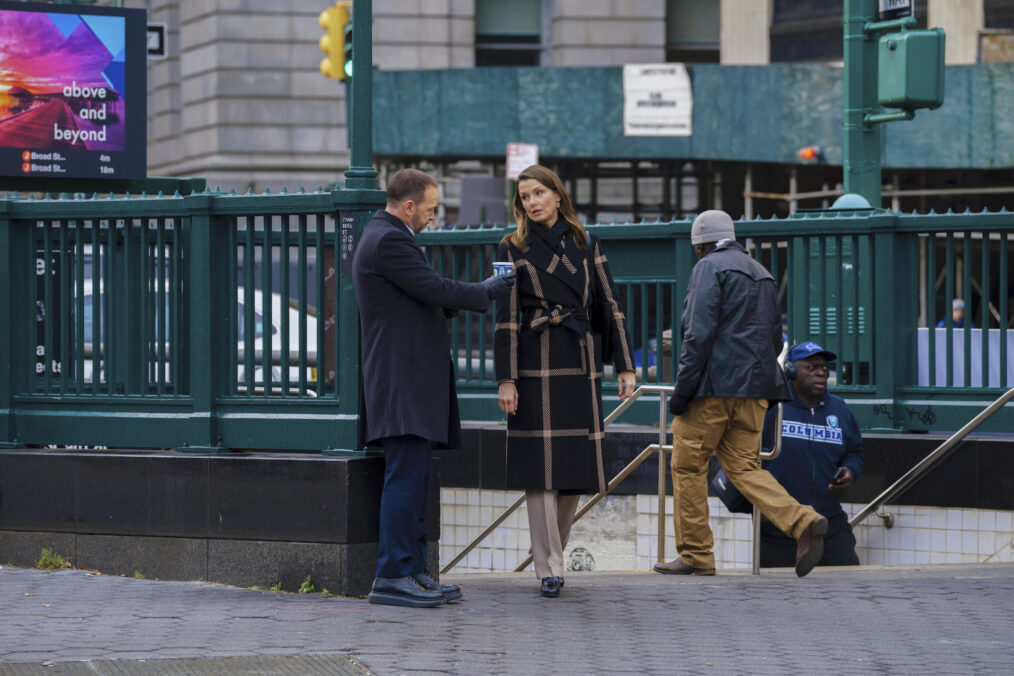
[214,321]
[198,322]
[869,285]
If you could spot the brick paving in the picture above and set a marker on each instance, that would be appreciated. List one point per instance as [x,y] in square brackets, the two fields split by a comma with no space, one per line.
[897,620]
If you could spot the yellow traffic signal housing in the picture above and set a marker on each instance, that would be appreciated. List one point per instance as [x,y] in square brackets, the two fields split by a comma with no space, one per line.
[332,43]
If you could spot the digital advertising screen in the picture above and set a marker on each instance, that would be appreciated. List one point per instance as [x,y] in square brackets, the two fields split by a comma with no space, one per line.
[73,91]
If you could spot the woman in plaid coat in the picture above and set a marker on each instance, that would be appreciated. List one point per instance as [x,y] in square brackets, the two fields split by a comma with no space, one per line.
[561,321]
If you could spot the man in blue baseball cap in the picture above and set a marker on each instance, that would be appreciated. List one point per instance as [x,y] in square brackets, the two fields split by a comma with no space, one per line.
[822,455]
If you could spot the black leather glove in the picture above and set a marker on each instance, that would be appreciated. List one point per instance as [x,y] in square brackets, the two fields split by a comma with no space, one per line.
[499,287]
[678,404]
[450,313]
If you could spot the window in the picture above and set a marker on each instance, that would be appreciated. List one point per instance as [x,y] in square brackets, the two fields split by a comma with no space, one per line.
[691,31]
[999,13]
[508,33]
[811,30]
[806,30]
[996,40]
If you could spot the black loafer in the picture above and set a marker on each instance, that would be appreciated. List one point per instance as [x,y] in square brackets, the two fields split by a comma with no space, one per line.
[403,591]
[451,592]
[551,586]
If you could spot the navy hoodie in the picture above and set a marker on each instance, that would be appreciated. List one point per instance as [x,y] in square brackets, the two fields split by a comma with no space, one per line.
[816,441]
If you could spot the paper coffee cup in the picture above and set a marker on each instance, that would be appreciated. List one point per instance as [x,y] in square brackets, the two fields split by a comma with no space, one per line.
[502,268]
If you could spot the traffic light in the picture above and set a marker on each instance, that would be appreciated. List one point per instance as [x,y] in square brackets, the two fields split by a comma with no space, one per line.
[347,41]
[333,20]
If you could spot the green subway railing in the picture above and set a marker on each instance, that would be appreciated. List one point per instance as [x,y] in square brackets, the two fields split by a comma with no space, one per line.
[203,322]
[213,321]
[869,285]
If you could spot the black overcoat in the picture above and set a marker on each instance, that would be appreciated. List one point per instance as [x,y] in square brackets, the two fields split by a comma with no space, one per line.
[408,376]
[544,343]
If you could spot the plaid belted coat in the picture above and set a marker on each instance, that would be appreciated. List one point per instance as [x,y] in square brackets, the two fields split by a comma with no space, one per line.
[545,343]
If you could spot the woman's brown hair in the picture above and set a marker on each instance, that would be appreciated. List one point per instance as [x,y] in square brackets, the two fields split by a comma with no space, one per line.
[548,178]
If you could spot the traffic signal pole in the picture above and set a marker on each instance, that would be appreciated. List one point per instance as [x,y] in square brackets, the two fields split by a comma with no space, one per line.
[359,87]
[861,111]
[861,147]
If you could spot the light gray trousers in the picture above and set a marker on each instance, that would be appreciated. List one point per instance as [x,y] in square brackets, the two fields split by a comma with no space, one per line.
[550,516]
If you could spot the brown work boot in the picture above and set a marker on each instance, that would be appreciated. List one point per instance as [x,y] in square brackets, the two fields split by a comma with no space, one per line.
[810,546]
[680,567]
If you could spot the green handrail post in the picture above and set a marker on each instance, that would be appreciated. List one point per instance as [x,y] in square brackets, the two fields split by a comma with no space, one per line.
[353,211]
[206,238]
[894,310]
[13,250]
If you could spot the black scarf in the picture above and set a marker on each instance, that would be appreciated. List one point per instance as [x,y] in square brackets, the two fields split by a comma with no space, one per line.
[552,237]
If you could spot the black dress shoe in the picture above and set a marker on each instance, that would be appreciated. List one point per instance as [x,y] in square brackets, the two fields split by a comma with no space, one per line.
[403,591]
[451,592]
[551,586]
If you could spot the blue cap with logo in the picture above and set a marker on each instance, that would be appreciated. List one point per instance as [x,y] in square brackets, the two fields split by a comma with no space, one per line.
[810,349]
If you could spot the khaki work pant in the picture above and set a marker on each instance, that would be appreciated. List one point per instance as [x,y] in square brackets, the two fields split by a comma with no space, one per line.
[550,516]
[731,429]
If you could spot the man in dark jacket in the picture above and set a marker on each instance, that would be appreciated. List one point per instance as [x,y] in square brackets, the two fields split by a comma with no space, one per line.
[408,377]
[822,455]
[728,372]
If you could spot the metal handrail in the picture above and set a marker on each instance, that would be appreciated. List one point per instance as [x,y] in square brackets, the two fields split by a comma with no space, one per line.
[913,475]
[661,447]
[895,489]
[662,391]
[776,449]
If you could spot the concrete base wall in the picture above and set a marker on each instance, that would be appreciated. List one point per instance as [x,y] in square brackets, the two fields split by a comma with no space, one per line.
[345,569]
[240,519]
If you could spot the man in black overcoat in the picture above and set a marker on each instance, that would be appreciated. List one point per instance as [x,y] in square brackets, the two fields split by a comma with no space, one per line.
[408,377]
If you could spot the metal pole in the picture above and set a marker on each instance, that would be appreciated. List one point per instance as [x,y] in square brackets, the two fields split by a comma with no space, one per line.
[861,143]
[793,184]
[748,194]
[766,455]
[756,541]
[361,173]
[662,410]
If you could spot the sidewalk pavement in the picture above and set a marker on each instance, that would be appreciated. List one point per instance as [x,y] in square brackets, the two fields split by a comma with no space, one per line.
[895,620]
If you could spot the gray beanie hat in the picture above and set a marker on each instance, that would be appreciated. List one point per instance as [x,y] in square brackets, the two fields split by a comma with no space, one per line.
[711,226]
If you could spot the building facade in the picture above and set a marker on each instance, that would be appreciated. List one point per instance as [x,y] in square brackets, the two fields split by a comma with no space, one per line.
[239,99]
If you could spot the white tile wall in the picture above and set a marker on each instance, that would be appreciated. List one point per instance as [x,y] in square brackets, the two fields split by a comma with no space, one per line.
[620,533]
[946,535]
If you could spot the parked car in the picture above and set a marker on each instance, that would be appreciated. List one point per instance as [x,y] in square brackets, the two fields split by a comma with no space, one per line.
[278,306]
